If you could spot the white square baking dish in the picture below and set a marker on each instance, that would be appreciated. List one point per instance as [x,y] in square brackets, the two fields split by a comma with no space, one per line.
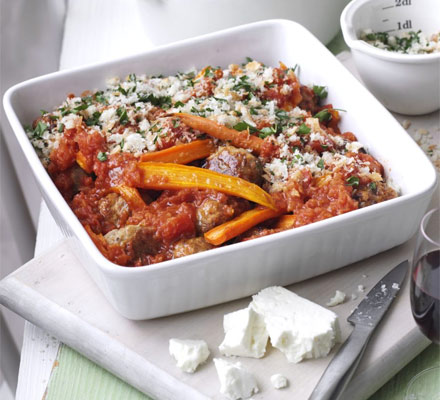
[242,269]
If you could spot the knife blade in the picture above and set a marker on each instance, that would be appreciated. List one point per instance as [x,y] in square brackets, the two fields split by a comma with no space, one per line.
[365,318]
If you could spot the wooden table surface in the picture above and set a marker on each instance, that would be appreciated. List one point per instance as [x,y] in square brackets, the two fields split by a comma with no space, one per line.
[46,361]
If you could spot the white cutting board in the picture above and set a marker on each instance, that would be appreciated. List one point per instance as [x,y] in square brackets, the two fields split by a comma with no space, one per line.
[54,292]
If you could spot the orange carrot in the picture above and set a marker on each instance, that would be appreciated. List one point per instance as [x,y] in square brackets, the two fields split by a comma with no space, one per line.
[162,176]
[241,139]
[82,162]
[286,222]
[131,196]
[224,232]
[99,240]
[182,153]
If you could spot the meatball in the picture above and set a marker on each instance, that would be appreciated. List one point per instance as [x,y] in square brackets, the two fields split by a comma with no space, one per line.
[368,195]
[114,209]
[212,213]
[232,161]
[186,247]
[135,240]
[310,101]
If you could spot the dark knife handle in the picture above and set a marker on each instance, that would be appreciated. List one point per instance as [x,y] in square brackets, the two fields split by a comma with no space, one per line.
[342,367]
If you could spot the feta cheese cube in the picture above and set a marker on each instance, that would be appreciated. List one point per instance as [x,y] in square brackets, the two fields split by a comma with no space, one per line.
[245,334]
[189,354]
[235,381]
[296,326]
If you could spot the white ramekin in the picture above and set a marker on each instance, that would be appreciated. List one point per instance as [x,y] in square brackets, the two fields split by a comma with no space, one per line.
[404,83]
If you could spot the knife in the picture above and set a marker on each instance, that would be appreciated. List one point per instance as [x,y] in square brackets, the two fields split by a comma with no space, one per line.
[365,319]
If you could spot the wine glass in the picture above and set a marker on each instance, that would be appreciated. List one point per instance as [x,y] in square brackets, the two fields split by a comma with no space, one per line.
[425,277]
[425,301]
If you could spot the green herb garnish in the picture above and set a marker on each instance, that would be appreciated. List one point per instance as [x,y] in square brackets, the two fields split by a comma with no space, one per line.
[243,126]
[99,97]
[122,114]
[320,164]
[39,129]
[303,129]
[323,115]
[160,101]
[94,119]
[320,91]
[267,131]
[352,181]
[102,156]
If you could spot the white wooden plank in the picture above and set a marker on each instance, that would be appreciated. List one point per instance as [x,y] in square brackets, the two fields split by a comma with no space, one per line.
[40,348]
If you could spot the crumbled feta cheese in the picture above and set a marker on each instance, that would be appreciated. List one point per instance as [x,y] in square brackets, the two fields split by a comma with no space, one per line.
[353,146]
[298,327]
[189,354]
[278,381]
[235,381]
[71,121]
[406,123]
[245,334]
[338,298]
[134,143]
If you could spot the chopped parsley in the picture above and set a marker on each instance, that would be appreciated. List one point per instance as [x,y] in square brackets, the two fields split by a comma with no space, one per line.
[102,156]
[320,91]
[252,111]
[159,101]
[372,186]
[303,129]
[267,131]
[243,84]
[38,131]
[320,163]
[324,115]
[60,127]
[352,181]
[121,112]
[99,97]
[94,119]
[243,126]
[81,107]
[208,72]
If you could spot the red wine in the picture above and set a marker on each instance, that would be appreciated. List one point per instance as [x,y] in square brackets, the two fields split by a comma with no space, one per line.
[425,295]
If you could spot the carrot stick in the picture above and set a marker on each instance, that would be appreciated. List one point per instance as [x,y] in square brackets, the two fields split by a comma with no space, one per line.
[238,138]
[82,162]
[224,232]
[286,222]
[162,176]
[131,196]
[99,240]
[182,153]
